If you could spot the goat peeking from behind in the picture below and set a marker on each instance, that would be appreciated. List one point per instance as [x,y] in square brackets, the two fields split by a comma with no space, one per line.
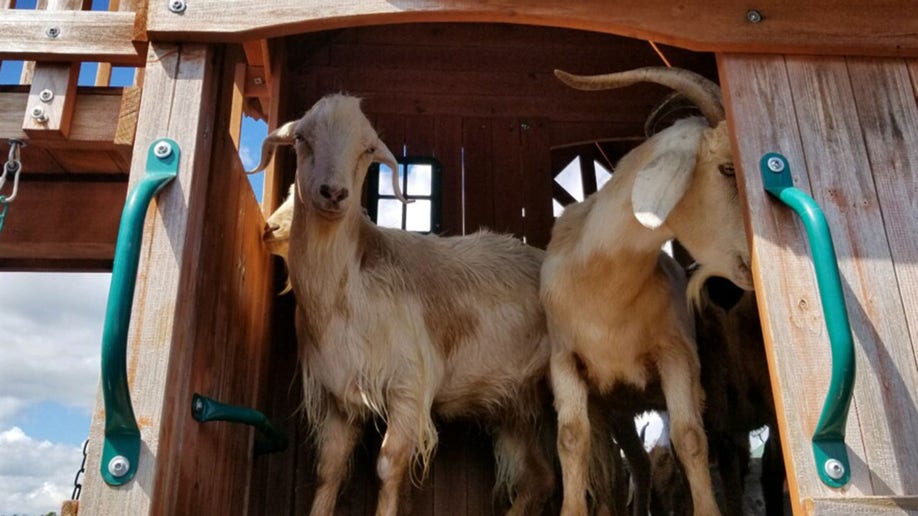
[616,306]
[403,326]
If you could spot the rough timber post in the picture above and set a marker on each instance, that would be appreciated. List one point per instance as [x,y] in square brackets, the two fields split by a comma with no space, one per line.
[848,127]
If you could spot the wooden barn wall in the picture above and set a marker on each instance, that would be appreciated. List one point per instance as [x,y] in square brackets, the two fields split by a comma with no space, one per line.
[849,128]
[482,96]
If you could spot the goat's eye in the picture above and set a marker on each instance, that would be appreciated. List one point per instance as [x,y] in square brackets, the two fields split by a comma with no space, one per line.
[299,138]
[371,149]
[726,169]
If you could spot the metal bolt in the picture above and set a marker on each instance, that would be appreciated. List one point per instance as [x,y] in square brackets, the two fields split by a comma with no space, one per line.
[46,95]
[177,6]
[835,469]
[119,466]
[753,16]
[776,165]
[53,32]
[162,150]
[258,81]
[524,126]
[198,405]
[38,114]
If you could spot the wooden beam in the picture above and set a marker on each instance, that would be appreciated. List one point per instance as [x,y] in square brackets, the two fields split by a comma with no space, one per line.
[105,118]
[50,117]
[842,139]
[82,36]
[786,26]
[872,505]
[62,224]
[202,302]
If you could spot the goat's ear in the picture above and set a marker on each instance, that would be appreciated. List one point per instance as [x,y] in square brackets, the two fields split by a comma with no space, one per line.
[382,154]
[283,135]
[665,177]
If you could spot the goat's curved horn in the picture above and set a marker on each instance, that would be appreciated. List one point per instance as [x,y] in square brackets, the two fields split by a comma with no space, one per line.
[700,90]
[283,135]
[384,155]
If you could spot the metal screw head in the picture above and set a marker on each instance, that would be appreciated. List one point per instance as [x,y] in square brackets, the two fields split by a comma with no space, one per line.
[753,16]
[53,32]
[776,165]
[258,80]
[38,114]
[162,150]
[177,6]
[835,469]
[46,95]
[119,466]
[198,405]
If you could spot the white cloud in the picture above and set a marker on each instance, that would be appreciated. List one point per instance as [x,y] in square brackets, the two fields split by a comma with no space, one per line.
[247,156]
[50,339]
[35,476]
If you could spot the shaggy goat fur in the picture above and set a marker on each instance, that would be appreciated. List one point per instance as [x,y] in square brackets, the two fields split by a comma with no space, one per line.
[616,307]
[403,326]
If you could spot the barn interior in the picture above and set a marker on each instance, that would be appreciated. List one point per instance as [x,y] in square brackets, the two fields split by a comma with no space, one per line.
[513,144]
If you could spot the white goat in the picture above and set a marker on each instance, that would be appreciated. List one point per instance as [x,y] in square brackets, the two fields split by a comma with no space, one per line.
[616,306]
[401,325]
[276,235]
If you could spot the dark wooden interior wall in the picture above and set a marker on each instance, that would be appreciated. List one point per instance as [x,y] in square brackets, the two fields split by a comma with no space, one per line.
[478,95]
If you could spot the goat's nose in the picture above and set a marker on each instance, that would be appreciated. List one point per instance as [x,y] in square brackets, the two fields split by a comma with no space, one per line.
[333,194]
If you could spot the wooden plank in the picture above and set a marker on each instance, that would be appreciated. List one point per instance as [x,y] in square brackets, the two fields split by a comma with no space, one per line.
[231,336]
[538,186]
[84,36]
[179,102]
[100,121]
[889,126]
[820,26]
[54,115]
[275,181]
[843,185]
[62,224]
[760,108]
[507,176]
[866,505]
[478,182]
[448,150]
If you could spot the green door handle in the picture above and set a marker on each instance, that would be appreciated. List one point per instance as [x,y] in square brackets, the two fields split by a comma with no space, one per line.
[271,438]
[121,448]
[829,437]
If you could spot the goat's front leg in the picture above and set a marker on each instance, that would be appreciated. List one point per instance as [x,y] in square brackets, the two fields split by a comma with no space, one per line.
[680,378]
[398,447]
[571,396]
[336,438]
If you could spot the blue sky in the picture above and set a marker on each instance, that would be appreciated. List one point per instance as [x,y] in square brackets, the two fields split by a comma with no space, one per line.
[50,336]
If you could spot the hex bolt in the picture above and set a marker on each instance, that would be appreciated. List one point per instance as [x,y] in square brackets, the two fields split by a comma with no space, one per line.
[162,150]
[46,95]
[119,466]
[258,81]
[53,32]
[38,114]
[776,165]
[835,469]
[177,6]
[753,16]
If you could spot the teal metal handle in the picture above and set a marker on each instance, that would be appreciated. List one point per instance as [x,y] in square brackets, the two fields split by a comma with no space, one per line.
[271,438]
[829,437]
[121,448]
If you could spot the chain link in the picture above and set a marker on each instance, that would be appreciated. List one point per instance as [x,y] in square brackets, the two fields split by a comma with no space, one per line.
[12,167]
[77,485]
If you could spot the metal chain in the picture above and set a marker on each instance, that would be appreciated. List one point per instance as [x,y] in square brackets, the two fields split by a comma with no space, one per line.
[12,167]
[77,485]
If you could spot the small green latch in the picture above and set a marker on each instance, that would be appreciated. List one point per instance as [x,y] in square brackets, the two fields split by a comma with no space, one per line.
[271,438]
[829,448]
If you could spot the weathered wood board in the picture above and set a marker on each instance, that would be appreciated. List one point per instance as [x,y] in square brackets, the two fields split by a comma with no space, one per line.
[849,128]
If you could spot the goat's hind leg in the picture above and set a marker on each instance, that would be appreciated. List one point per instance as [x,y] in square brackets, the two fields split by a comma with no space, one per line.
[523,470]
[680,378]
[336,439]
[571,397]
